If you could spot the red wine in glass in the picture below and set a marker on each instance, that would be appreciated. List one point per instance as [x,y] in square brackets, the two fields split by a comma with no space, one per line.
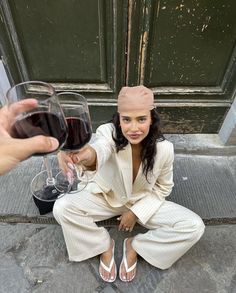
[79,133]
[40,123]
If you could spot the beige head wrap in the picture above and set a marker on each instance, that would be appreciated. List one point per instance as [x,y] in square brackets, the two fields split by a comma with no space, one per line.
[135,98]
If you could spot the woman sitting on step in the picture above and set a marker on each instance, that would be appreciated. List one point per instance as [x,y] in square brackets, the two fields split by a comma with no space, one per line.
[133,174]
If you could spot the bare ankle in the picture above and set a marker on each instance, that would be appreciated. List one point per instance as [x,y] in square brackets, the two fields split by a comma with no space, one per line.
[109,251]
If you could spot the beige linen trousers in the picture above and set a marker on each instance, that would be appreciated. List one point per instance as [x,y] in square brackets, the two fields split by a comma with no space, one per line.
[172,229]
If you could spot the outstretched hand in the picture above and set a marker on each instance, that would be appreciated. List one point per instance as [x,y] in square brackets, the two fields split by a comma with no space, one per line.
[87,157]
[12,150]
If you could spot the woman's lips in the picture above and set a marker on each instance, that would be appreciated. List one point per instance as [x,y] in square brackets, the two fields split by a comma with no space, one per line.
[134,136]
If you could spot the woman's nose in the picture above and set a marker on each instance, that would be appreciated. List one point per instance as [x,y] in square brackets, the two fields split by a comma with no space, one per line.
[134,126]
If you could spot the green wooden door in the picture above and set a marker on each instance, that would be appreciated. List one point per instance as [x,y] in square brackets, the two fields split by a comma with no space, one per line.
[183,50]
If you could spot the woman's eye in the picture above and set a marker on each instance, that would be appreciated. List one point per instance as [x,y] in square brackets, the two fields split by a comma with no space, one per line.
[126,120]
[143,119]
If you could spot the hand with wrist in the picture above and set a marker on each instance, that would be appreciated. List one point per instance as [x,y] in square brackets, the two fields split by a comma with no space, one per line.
[127,221]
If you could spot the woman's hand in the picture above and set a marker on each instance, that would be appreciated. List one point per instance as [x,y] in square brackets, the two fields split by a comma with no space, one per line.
[87,157]
[127,221]
[66,165]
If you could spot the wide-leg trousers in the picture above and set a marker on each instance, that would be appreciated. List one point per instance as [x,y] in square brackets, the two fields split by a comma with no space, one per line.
[172,230]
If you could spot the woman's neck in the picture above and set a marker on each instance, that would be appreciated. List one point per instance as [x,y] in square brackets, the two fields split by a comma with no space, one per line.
[136,147]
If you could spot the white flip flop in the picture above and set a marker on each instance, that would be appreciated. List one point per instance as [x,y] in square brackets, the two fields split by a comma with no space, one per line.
[124,261]
[108,269]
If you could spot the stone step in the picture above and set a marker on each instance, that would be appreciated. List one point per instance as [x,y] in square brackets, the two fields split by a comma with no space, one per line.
[200,144]
[204,184]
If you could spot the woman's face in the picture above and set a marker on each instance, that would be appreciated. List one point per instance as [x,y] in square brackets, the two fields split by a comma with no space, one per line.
[135,125]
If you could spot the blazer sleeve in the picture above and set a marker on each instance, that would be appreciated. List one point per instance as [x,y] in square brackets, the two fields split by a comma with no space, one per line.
[151,202]
[103,144]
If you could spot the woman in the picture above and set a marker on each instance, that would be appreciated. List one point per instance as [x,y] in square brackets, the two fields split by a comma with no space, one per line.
[132,165]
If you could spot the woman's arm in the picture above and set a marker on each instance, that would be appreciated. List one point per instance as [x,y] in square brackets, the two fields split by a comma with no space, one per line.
[93,155]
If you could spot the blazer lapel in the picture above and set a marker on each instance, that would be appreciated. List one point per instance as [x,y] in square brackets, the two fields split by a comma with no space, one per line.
[124,158]
[140,180]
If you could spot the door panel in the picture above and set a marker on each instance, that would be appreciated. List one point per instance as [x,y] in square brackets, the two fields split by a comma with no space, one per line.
[76,45]
[185,52]
[194,47]
[62,44]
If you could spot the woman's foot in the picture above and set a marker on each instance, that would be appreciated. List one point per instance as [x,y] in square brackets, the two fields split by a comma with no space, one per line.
[128,264]
[107,267]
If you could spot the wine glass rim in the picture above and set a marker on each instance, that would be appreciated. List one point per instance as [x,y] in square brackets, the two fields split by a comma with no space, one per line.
[71,93]
[31,82]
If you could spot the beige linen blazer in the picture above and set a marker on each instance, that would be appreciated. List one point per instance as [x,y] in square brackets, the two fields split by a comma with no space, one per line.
[113,177]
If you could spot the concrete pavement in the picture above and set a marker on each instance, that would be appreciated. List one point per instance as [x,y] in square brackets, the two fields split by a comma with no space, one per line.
[33,258]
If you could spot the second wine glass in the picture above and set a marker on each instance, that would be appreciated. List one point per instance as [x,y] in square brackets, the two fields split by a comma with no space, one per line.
[76,112]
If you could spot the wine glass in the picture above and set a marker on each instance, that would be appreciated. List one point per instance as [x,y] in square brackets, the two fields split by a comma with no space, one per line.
[75,109]
[47,119]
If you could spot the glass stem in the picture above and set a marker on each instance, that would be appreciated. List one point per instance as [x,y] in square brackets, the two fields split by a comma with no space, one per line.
[50,180]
